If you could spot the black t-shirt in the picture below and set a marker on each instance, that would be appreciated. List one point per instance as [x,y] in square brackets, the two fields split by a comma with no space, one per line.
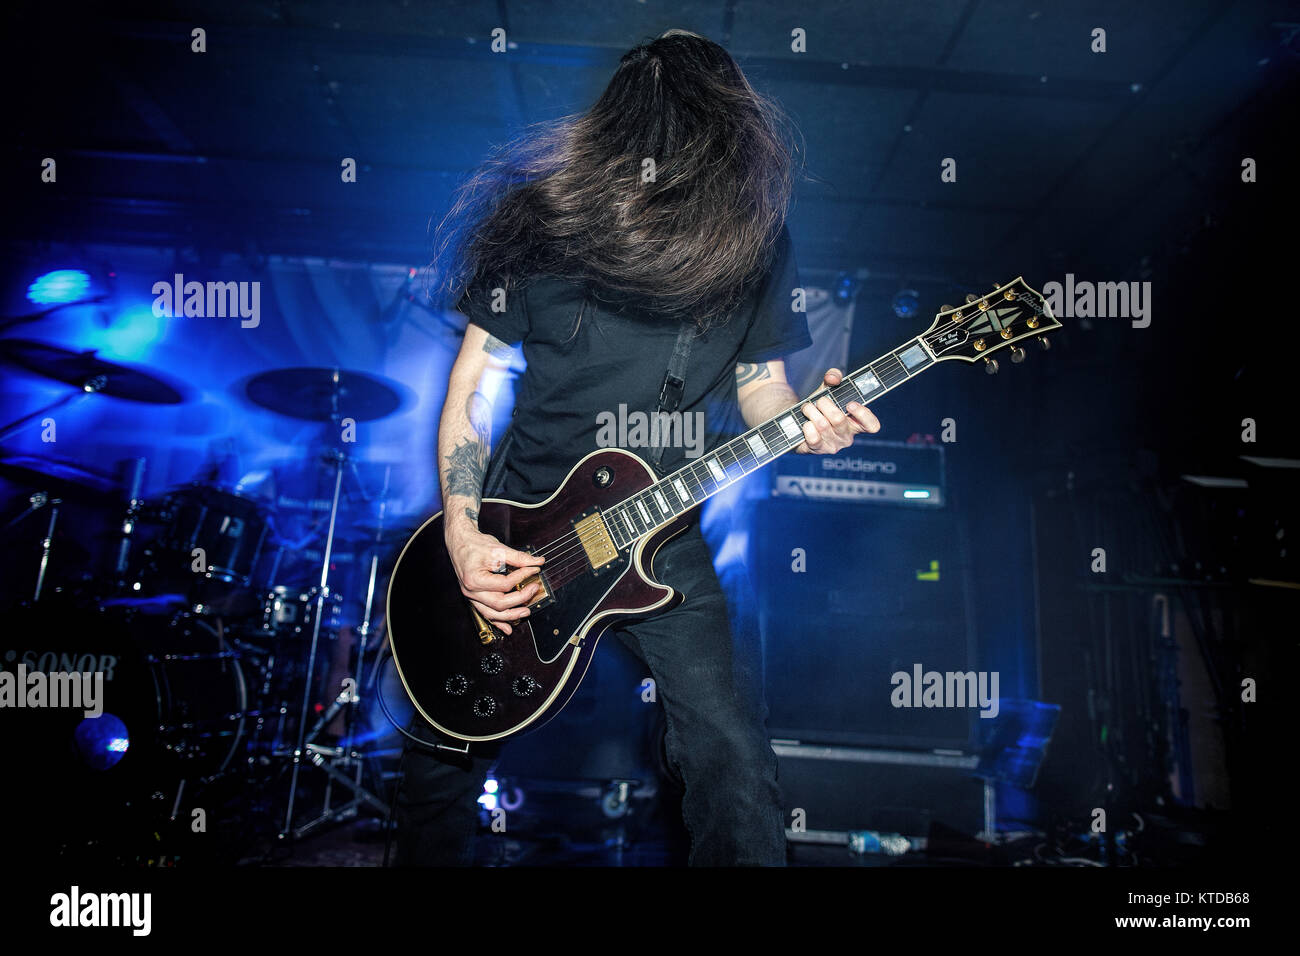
[583,390]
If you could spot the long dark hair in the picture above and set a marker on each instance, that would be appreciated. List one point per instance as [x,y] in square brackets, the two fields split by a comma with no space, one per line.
[578,198]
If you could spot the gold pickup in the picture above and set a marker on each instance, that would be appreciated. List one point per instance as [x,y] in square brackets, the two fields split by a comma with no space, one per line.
[541,594]
[595,540]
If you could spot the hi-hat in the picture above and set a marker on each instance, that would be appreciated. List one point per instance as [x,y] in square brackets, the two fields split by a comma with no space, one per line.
[64,479]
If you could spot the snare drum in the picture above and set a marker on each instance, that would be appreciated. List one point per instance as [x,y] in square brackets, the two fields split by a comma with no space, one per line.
[289,612]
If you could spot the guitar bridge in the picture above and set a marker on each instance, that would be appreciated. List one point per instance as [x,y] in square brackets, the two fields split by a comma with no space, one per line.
[596,541]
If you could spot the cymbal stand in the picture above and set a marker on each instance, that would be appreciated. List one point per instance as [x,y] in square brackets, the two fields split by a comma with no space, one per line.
[306,749]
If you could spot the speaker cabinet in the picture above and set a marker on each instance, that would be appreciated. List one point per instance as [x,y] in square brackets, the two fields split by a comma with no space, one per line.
[849,595]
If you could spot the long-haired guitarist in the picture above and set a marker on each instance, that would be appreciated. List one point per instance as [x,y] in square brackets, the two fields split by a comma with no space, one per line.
[592,242]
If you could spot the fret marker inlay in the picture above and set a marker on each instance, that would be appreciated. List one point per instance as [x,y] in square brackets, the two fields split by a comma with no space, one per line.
[867,383]
[681,491]
[913,356]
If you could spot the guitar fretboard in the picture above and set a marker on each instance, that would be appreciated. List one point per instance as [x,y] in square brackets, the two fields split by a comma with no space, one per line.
[696,482]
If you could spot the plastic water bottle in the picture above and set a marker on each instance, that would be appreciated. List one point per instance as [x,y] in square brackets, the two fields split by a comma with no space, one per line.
[871,841]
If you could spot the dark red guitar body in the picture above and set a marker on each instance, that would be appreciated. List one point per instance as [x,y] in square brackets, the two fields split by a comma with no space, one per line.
[475,691]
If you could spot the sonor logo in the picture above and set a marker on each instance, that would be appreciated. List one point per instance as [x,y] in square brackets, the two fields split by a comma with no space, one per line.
[859,464]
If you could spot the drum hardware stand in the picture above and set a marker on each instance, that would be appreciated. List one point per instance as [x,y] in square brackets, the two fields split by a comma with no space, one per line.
[134,506]
[40,500]
[344,753]
[306,748]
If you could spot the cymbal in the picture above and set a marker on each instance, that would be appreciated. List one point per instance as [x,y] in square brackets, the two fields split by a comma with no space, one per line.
[60,478]
[81,368]
[325,394]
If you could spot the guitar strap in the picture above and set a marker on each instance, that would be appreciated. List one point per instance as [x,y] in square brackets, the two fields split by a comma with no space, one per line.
[670,393]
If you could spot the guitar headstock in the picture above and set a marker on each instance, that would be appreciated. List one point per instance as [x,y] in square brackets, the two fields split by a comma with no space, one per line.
[997,320]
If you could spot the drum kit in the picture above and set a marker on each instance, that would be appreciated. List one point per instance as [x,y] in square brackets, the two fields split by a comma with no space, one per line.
[228,649]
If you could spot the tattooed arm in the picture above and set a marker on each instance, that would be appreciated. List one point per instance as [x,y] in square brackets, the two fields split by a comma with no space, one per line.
[465,430]
[464,444]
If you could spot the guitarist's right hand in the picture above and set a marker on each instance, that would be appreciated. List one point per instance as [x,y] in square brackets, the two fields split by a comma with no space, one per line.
[476,557]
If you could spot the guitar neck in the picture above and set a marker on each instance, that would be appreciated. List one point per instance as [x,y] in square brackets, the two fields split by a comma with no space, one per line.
[694,483]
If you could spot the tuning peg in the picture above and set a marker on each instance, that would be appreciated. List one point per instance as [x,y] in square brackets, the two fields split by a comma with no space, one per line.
[945,307]
[1043,343]
[971,297]
[1017,354]
[990,365]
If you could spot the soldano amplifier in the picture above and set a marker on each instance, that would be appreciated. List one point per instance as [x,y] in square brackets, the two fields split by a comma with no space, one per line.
[867,472]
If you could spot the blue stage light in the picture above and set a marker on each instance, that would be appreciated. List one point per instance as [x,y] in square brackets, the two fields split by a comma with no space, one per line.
[102,741]
[131,335]
[906,303]
[846,287]
[59,287]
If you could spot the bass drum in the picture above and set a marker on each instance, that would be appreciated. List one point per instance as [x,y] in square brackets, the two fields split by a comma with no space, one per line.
[119,710]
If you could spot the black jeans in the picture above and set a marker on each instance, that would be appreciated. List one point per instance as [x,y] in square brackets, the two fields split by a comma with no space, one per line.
[717,738]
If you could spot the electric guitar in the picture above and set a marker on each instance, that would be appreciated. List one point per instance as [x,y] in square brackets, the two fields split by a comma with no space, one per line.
[599,532]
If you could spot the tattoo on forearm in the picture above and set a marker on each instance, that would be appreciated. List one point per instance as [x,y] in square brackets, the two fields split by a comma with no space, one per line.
[750,372]
[465,467]
[496,348]
[472,514]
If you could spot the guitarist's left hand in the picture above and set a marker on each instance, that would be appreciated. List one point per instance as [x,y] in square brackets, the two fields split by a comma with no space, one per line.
[828,429]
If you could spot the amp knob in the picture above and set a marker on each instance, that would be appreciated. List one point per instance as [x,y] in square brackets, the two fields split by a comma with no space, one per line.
[492,664]
[485,707]
[523,686]
[456,684]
